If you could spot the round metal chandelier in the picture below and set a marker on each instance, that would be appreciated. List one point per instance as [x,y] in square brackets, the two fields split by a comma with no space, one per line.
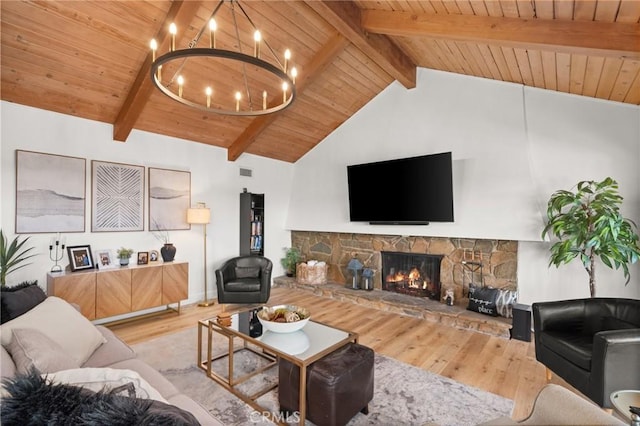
[262,87]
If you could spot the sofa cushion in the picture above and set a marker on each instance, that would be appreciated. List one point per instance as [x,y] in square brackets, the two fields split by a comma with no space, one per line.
[97,379]
[7,366]
[59,321]
[29,349]
[34,400]
[19,299]
[151,375]
[112,351]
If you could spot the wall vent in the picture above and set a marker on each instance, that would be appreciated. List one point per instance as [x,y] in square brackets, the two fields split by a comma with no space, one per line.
[245,172]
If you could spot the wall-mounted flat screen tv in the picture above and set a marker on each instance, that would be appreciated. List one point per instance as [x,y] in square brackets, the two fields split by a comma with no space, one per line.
[405,191]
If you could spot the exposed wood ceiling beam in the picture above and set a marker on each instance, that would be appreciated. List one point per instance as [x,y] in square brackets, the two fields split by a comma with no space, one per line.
[345,17]
[617,39]
[310,72]
[181,13]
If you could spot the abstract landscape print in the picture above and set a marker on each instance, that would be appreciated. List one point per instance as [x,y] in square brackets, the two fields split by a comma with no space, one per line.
[50,193]
[169,199]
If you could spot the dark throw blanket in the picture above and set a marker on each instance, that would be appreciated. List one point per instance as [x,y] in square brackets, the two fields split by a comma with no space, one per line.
[34,401]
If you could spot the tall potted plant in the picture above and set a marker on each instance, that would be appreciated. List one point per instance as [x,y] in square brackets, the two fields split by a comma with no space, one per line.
[588,225]
[12,256]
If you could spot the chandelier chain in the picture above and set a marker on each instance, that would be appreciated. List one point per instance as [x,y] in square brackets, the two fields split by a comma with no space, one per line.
[244,66]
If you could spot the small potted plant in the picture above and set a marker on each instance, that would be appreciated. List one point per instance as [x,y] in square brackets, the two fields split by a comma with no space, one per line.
[124,255]
[290,260]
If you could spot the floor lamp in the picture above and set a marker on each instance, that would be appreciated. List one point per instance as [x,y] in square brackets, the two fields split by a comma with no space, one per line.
[201,215]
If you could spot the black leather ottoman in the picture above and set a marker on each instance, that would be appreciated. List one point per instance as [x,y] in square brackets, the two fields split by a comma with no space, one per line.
[338,386]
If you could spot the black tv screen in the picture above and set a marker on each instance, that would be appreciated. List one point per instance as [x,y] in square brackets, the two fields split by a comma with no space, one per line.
[415,190]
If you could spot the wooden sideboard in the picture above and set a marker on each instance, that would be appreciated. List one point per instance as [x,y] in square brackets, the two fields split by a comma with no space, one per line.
[110,292]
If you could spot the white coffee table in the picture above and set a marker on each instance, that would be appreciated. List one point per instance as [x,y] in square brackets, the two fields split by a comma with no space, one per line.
[624,399]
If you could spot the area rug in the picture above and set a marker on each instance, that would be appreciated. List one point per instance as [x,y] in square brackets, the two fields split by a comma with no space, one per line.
[403,394]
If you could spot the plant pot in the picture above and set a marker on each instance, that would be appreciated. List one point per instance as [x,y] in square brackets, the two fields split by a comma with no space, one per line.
[168,252]
[124,261]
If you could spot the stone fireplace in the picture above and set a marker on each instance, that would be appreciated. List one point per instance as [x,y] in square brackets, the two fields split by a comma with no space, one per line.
[415,274]
[499,257]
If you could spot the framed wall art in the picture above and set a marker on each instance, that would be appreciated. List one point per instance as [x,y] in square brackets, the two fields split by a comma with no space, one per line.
[50,193]
[169,199]
[117,197]
[80,258]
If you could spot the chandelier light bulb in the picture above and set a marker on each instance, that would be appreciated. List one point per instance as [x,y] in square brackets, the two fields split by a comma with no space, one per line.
[294,74]
[285,86]
[287,56]
[257,37]
[213,26]
[264,99]
[209,92]
[238,97]
[154,46]
[180,83]
[173,30]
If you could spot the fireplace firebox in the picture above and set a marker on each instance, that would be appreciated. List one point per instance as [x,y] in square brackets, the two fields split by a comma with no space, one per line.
[415,274]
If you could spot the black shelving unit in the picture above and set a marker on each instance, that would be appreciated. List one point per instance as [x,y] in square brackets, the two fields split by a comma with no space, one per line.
[251,224]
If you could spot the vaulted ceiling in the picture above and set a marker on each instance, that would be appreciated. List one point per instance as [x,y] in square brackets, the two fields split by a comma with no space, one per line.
[91,59]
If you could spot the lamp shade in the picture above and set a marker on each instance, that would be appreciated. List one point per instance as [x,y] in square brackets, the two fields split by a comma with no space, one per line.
[198,215]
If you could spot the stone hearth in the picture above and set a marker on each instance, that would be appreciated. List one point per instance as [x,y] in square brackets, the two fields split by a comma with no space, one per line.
[418,307]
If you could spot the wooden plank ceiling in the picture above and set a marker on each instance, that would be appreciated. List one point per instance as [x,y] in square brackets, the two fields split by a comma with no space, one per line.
[91,58]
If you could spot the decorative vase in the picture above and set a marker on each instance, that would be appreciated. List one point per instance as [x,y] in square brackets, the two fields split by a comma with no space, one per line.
[168,252]
[124,261]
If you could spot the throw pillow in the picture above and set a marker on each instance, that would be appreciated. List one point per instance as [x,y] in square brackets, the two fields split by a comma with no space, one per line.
[505,301]
[32,399]
[483,300]
[97,379]
[31,349]
[19,299]
[60,322]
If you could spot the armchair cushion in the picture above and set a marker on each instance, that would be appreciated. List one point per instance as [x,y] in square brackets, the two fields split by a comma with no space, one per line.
[242,285]
[247,271]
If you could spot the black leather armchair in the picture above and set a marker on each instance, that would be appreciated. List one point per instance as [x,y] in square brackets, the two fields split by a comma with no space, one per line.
[593,344]
[244,279]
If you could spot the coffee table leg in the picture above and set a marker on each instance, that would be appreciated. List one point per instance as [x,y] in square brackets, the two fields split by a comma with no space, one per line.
[231,354]
[209,348]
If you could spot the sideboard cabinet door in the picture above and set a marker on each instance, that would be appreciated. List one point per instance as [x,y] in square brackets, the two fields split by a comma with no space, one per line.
[78,288]
[113,293]
[175,282]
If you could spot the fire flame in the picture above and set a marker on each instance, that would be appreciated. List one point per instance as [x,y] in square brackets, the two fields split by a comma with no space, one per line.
[413,278]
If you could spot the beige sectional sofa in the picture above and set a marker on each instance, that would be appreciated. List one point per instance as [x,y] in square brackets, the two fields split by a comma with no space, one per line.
[57,340]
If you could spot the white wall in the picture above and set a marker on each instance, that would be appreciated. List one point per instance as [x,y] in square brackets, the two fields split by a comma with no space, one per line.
[512,147]
[214,180]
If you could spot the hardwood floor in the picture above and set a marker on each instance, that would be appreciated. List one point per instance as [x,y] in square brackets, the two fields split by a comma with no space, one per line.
[504,367]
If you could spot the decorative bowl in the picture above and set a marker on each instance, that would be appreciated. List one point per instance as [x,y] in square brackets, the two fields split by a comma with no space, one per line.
[293,343]
[267,315]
